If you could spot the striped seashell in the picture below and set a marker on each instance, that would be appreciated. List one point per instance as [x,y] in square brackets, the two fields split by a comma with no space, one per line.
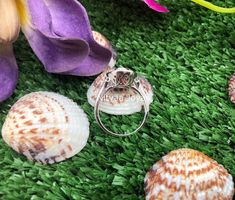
[103,41]
[189,175]
[46,127]
[231,89]
[119,101]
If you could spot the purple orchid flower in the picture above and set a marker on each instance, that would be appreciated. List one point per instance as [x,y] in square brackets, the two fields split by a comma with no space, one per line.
[155,6]
[59,33]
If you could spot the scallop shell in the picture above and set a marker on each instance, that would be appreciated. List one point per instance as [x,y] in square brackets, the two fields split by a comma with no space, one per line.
[119,101]
[103,41]
[190,175]
[231,89]
[46,127]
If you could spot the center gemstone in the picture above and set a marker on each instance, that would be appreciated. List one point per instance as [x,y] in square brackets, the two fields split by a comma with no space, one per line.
[122,78]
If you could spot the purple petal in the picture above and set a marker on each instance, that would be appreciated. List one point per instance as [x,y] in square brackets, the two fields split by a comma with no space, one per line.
[69,18]
[155,6]
[8,72]
[62,39]
[57,55]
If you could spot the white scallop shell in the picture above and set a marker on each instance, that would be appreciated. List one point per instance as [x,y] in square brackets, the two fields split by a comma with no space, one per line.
[188,174]
[103,41]
[119,101]
[46,127]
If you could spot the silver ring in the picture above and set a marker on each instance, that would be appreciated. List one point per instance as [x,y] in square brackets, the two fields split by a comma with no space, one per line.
[120,78]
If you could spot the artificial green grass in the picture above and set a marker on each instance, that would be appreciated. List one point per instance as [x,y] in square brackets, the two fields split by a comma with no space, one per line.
[188,56]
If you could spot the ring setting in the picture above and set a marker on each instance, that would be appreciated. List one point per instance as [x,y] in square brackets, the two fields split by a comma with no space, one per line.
[118,79]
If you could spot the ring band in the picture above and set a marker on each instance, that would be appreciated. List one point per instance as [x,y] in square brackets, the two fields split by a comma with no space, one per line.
[120,78]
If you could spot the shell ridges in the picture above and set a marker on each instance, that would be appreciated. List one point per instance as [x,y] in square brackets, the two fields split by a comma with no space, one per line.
[46,127]
[188,174]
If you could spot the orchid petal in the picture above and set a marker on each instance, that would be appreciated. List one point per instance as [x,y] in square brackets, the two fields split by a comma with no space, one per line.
[8,72]
[57,55]
[61,37]
[155,6]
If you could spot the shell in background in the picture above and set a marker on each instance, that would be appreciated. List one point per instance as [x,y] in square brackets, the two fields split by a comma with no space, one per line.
[231,89]
[46,127]
[103,41]
[119,101]
[188,174]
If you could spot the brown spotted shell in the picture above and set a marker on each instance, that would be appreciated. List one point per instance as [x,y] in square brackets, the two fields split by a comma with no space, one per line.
[231,89]
[188,175]
[119,101]
[46,127]
[103,41]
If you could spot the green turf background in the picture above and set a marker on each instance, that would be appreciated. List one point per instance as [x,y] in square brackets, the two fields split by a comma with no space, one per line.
[187,55]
